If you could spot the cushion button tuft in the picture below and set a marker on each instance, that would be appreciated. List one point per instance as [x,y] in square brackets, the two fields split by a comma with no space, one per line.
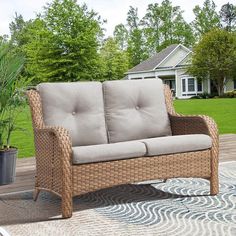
[137,107]
[73,113]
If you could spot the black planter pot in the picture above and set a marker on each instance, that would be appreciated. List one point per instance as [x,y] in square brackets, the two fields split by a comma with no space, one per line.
[7,165]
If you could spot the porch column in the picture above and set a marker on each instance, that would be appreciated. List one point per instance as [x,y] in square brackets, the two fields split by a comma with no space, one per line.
[209,86]
[177,85]
[156,77]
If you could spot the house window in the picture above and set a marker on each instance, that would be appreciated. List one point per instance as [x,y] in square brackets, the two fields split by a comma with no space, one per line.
[183,85]
[191,86]
[235,84]
[170,83]
[199,86]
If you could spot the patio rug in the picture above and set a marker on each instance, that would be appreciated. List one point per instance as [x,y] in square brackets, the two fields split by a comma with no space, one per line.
[177,207]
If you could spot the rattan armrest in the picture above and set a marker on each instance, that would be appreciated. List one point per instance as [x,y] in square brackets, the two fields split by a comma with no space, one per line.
[57,138]
[196,124]
[54,154]
[56,143]
[200,124]
[192,124]
[63,140]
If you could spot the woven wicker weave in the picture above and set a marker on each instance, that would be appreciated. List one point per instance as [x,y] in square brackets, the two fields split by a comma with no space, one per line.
[56,173]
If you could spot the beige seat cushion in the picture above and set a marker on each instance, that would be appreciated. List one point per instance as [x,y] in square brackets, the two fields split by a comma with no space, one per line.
[108,152]
[135,109]
[177,144]
[78,107]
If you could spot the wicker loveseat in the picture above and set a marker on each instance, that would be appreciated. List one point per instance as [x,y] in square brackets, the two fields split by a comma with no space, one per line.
[92,135]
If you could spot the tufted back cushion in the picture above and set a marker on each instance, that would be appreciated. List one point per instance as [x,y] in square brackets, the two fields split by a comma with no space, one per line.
[78,107]
[135,109]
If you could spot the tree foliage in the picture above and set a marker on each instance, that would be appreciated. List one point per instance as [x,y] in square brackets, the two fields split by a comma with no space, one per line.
[121,36]
[228,16]
[152,23]
[136,41]
[174,29]
[206,18]
[64,43]
[162,25]
[214,57]
[18,30]
[115,61]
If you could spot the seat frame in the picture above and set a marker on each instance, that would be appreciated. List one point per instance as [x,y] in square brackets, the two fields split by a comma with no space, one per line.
[56,173]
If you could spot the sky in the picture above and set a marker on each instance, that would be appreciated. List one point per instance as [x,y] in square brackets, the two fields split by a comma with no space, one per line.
[114,11]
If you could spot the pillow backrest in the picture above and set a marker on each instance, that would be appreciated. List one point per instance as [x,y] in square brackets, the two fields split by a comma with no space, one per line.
[76,106]
[135,109]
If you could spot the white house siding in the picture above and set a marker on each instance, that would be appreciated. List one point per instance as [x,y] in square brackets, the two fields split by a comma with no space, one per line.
[152,74]
[186,60]
[205,87]
[179,74]
[142,75]
[175,73]
[178,55]
[166,72]
[229,85]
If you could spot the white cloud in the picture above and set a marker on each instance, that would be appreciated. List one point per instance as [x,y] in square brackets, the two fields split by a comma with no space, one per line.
[114,11]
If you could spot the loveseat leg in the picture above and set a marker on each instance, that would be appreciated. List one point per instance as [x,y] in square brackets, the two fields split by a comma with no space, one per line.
[36,194]
[67,207]
[214,185]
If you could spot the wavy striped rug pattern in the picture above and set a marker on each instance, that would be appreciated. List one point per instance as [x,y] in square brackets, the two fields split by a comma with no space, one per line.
[178,207]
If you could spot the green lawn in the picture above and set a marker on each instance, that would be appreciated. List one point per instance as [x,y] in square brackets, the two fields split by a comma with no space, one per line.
[222,110]
[24,140]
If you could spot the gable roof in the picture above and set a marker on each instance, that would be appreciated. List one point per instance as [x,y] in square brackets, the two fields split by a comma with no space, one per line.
[183,60]
[155,61]
[152,62]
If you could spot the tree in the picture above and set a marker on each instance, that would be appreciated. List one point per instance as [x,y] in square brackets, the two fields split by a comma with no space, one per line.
[64,43]
[19,37]
[115,61]
[121,36]
[164,25]
[136,41]
[206,18]
[214,57]
[168,16]
[4,38]
[18,30]
[183,32]
[228,15]
[152,23]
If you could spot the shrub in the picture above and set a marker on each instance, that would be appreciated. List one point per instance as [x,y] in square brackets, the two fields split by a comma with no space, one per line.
[231,94]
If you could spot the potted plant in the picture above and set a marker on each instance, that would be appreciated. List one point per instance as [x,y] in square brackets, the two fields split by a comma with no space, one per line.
[11,100]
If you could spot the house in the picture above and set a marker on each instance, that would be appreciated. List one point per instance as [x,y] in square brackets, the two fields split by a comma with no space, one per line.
[170,65]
